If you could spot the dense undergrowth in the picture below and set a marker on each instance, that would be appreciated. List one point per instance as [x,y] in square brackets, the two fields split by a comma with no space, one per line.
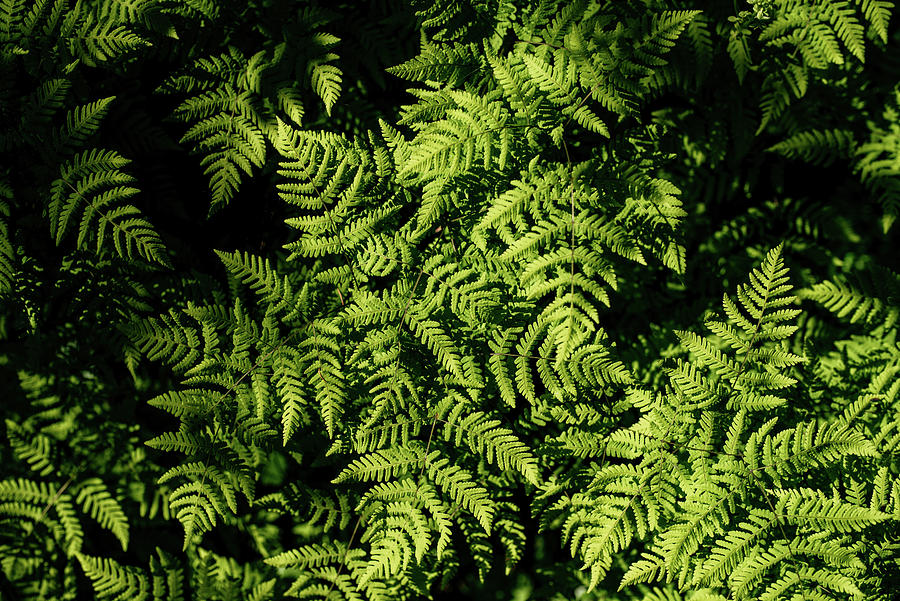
[503,299]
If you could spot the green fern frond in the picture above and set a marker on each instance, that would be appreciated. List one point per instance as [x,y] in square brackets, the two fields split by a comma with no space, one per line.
[869,297]
[8,258]
[293,395]
[171,338]
[167,577]
[461,487]
[82,122]
[418,495]
[196,504]
[47,100]
[878,15]
[10,15]
[177,441]
[402,536]
[97,502]
[313,555]
[448,65]
[707,511]
[37,450]
[29,501]
[842,18]
[90,190]
[660,35]
[99,41]
[487,438]
[474,127]
[806,445]
[381,465]
[819,147]
[734,546]
[311,506]
[262,279]
[807,506]
[114,581]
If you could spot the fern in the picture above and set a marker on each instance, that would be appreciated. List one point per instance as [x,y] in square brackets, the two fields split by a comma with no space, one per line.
[868,297]
[103,507]
[112,581]
[755,321]
[7,252]
[875,164]
[97,41]
[234,101]
[462,339]
[817,147]
[819,36]
[438,64]
[87,191]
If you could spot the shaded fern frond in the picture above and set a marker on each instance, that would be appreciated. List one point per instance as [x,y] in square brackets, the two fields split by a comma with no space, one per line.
[91,191]
[820,147]
[871,297]
[113,581]
[8,258]
[171,338]
[447,65]
[104,508]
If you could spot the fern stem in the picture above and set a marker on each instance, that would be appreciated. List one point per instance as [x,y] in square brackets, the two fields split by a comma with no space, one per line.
[344,557]
[56,495]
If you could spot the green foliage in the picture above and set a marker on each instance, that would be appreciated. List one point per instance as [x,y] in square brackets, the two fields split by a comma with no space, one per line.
[272,326]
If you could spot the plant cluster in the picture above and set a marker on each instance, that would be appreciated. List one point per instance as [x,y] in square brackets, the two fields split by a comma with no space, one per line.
[489,299]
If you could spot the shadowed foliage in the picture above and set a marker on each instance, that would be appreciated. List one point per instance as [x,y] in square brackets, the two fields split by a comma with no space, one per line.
[463,299]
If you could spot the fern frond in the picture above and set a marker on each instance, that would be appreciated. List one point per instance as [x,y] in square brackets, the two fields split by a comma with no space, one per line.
[474,127]
[461,487]
[707,511]
[807,506]
[326,82]
[91,189]
[167,577]
[114,581]
[99,41]
[731,549]
[97,502]
[82,122]
[292,391]
[47,100]
[196,504]
[819,147]
[258,273]
[417,494]
[865,297]
[878,15]
[381,465]
[488,439]
[8,259]
[448,65]
[806,445]
[170,338]
[401,535]
[178,441]
[313,555]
